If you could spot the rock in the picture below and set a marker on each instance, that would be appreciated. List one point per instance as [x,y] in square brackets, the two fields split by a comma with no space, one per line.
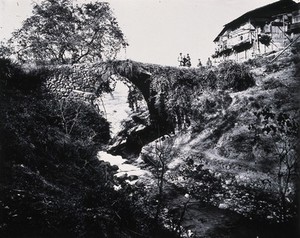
[223,206]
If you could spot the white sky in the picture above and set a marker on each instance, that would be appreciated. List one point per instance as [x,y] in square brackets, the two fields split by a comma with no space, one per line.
[157,30]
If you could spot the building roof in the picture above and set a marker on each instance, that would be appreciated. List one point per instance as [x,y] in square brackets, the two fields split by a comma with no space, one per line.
[265,12]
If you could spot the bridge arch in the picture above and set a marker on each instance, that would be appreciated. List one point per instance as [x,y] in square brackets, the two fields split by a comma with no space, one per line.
[89,81]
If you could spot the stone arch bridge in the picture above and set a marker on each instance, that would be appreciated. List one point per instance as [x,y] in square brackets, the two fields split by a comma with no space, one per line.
[89,81]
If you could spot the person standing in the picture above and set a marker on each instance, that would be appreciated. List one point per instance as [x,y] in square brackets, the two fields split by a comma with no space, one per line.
[188,60]
[180,59]
[208,63]
[199,63]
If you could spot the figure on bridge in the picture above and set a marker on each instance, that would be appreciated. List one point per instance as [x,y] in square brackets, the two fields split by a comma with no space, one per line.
[184,60]
[208,63]
[188,60]
[199,63]
[180,59]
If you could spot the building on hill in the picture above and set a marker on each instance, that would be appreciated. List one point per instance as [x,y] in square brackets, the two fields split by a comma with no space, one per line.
[295,25]
[263,30]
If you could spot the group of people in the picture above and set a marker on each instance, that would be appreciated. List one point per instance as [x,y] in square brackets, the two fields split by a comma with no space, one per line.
[186,61]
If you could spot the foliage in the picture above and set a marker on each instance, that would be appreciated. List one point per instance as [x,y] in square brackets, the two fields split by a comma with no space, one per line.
[207,106]
[13,77]
[81,121]
[242,46]
[200,182]
[281,130]
[265,39]
[161,156]
[60,33]
[175,93]
[5,51]
[272,68]
[234,76]
[51,183]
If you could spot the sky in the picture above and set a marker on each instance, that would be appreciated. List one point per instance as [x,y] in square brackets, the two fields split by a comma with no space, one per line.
[156,30]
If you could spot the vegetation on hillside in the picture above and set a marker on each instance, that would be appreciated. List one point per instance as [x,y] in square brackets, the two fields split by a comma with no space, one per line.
[51,182]
[239,147]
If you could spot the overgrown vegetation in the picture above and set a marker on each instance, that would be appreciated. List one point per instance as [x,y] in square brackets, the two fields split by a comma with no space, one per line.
[280,130]
[51,182]
[253,172]
[176,92]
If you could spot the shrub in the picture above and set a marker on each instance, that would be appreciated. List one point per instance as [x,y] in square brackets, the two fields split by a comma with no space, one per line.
[234,76]
[272,68]
[209,105]
[12,76]
[280,130]
[210,80]
[8,71]
[81,121]
[47,175]
[296,48]
[296,59]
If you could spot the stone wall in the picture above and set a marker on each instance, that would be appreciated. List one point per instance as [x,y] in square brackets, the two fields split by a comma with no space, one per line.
[80,81]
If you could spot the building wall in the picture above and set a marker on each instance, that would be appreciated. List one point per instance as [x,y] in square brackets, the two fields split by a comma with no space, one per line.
[249,32]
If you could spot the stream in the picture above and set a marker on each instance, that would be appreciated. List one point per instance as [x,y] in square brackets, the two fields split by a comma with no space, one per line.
[200,220]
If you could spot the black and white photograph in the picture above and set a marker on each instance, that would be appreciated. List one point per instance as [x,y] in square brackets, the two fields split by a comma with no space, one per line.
[149,118]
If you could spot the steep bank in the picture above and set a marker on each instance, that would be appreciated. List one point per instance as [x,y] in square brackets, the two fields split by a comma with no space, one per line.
[239,152]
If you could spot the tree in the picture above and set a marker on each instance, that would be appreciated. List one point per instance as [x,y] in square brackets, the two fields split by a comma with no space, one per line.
[282,131]
[60,33]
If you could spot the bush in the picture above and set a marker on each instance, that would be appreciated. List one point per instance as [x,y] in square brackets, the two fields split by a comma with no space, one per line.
[48,176]
[272,68]
[209,105]
[12,76]
[211,80]
[81,121]
[234,76]
[253,62]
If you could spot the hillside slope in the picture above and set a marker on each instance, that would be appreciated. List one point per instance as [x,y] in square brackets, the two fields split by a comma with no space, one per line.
[239,151]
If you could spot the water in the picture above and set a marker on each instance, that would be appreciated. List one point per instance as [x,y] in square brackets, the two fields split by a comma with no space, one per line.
[124,166]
